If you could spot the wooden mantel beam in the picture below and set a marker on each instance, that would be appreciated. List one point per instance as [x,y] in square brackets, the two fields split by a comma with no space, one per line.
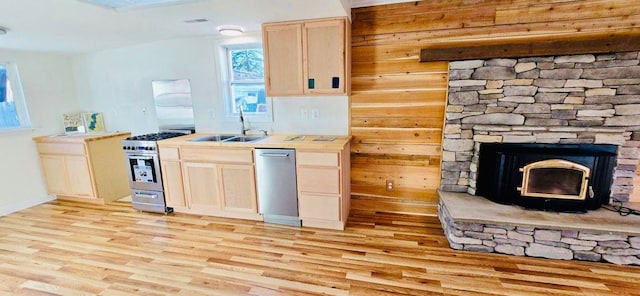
[579,43]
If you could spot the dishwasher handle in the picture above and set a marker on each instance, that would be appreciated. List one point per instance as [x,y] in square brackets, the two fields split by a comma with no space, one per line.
[267,154]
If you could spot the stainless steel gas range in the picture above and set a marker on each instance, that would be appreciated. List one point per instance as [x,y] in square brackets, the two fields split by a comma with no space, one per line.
[145,178]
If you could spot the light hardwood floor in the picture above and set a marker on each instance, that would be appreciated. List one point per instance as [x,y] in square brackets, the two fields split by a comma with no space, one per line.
[70,248]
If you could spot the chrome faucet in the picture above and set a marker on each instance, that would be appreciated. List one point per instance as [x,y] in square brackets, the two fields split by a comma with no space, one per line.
[243,130]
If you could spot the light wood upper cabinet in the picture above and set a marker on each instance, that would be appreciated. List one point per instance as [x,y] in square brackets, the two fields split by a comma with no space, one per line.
[307,57]
[87,167]
[324,47]
[283,59]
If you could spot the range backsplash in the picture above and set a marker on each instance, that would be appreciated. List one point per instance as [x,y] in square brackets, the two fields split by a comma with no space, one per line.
[591,99]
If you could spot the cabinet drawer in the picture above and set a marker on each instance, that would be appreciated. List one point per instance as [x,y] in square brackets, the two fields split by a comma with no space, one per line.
[217,155]
[319,180]
[319,207]
[61,148]
[317,158]
[169,153]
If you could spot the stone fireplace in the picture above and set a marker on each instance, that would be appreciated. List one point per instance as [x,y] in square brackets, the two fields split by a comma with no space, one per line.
[556,100]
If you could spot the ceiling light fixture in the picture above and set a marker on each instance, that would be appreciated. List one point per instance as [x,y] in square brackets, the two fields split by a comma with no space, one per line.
[229,30]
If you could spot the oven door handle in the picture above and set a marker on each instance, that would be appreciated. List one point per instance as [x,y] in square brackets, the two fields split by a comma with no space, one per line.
[146,195]
[141,157]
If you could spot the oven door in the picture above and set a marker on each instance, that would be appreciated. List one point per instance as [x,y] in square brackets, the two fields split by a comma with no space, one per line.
[144,171]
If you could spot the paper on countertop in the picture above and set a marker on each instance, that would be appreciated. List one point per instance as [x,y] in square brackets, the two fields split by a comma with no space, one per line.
[295,138]
[324,139]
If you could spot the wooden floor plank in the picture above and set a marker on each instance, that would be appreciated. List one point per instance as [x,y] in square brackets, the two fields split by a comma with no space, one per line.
[71,248]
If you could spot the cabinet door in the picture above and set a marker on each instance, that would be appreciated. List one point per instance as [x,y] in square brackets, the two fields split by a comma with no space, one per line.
[55,176]
[324,180]
[319,207]
[238,186]
[79,174]
[201,186]
[324,49]
[283,59]
[173,184]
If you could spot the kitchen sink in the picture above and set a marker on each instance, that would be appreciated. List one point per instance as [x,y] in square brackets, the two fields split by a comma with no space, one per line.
[244,139]
[227,138]
[213,138]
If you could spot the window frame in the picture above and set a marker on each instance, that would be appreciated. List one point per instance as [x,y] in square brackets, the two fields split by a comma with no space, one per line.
[13,76]
[228,83]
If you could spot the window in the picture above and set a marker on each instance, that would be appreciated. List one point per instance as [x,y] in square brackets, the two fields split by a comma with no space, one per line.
[13,113]
[245,66]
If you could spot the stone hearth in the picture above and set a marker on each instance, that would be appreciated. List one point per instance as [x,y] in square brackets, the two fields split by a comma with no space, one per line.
[576,99]
[591,99]
[476,224]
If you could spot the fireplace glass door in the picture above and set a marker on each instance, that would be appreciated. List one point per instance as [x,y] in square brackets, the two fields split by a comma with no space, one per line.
[555,178]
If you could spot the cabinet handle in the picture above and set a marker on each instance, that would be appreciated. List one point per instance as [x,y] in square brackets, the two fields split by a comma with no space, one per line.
[153,196]
[140,157]
[275,154]
[312,83]
[335,82]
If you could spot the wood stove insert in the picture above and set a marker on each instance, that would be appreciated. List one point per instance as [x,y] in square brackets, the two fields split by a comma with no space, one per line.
[556,177]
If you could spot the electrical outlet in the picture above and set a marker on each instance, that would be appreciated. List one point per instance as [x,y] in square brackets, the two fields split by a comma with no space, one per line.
[212,113]
[304,113]
[390,185]
[315,114]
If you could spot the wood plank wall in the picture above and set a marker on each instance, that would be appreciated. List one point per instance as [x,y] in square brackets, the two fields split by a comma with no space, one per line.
[397,108]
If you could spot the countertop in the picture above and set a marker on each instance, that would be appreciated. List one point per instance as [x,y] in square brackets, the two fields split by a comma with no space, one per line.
[272,141]
[81,137]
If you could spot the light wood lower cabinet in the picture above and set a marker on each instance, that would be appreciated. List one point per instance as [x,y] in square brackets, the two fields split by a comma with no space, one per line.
[238,187]
[201,187]
[85,167]
[67,175]
[323,188]
[210,181]
[173,184]
[221,182]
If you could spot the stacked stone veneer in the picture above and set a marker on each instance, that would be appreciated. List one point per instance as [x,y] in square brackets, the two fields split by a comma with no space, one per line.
[563,99]
[590,99]
[540,242]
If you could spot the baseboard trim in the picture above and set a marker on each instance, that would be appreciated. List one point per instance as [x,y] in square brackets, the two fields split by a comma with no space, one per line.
[14,207]
[393,205]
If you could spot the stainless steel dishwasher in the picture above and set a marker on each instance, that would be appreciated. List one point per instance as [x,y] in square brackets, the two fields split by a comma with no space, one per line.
[277,186]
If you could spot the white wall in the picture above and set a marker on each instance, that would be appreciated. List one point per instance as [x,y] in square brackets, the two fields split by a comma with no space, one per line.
[118,83]
[49,89]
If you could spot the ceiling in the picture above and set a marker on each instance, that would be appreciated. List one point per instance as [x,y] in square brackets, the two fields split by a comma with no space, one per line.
[75,26]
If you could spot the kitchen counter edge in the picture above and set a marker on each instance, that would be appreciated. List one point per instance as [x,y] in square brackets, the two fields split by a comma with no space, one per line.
[272,141]
[75,138]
